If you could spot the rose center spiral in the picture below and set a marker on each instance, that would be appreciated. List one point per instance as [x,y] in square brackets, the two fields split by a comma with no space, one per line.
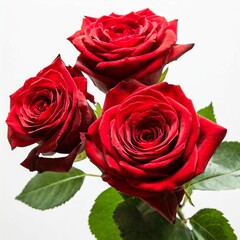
[40,106]
[147,135]
[120,31]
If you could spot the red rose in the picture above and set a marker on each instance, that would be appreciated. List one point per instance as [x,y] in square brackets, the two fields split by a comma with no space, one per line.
[120,47]
[149,141]
[51,110]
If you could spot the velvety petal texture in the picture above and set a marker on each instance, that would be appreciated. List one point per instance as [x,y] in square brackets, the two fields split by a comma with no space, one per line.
[51,109]
[141,43]
[149,141]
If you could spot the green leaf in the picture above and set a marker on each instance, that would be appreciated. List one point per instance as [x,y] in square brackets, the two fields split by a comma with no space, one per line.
[98,110]
[116,217]
[138,221]
[167,231]
[101,220]
[223,170]
[81,156]
[163,75]
[208,113]
[50,189]
[209,224]
[131,222]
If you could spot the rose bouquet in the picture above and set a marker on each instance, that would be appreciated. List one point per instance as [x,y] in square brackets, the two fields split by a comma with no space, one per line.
[151,145]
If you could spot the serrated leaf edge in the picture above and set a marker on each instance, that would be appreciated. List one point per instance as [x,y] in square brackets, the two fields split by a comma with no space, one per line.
[109,206]
[212,112]
[202,228]
[219,212]
[49,185]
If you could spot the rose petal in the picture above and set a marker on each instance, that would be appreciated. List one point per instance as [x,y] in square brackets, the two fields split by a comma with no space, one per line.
[166,203]
[41,164]
[168,41]
[178,51]
[120,93]
[211,135]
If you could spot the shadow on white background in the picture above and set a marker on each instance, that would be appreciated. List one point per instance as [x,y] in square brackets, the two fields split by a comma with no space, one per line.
[34,32]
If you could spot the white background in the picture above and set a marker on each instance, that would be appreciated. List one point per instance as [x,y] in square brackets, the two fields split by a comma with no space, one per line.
[34,32]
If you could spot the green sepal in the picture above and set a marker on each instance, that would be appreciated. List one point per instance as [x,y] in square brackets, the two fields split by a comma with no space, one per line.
[163,75]
[98,110]
[81,156]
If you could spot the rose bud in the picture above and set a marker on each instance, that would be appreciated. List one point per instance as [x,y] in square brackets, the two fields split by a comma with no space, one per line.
[120,47]
[50,109]
[149,141]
